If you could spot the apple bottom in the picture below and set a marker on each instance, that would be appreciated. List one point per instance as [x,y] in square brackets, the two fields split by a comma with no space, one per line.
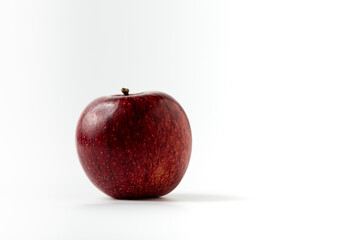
[145,183]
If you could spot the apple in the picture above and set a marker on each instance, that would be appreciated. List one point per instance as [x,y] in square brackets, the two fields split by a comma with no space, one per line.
[134,145]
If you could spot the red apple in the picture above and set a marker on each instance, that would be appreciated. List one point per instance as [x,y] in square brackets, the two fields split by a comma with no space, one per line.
[134,145]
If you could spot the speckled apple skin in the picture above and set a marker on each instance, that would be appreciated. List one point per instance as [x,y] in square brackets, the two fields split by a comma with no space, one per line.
[134,146]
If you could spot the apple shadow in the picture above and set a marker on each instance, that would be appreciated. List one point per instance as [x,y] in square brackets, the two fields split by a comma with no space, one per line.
[200,197]
[185,197]
[167,201]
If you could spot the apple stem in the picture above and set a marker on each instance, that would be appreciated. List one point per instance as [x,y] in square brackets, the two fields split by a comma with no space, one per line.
[125,91]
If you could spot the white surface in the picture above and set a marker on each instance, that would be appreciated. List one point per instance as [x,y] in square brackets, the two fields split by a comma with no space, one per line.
[271,89]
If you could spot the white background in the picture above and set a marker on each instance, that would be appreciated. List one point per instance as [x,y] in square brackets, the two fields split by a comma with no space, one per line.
[271,89]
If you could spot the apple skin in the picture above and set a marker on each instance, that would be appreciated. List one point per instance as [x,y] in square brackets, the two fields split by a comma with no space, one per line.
[134,146]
